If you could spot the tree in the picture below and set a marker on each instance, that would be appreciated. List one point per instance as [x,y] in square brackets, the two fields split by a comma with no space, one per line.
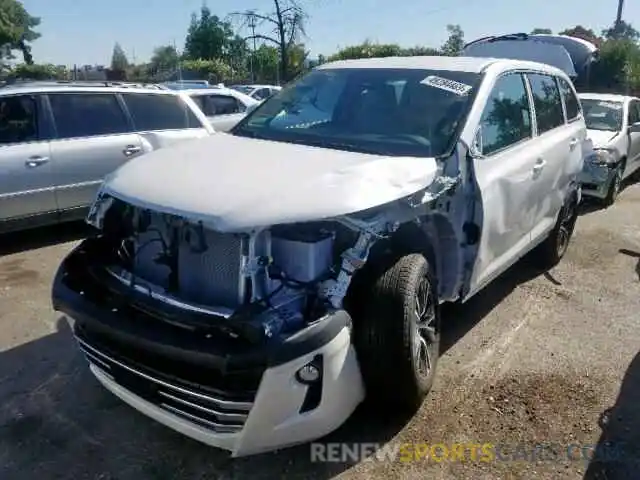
[16,30]
[215,71]
[283,28]
[208,37]
[455,43]
[119,61]
[537,31]
[32,71]
[583,33]
[164,60]
[621,31]
[367,49]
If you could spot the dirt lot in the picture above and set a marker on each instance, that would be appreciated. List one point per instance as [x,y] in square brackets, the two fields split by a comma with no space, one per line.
[536,359]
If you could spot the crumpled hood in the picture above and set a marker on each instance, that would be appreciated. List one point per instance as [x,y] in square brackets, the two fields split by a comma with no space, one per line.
[236,183]
[601,138]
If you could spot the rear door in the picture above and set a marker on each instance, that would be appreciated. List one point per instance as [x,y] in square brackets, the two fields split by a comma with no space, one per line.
[558,148]
[93,138]
[162,120]
[26,179]
[223,111]
[504,171]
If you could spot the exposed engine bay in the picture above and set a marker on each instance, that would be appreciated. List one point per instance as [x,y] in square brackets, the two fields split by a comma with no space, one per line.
[260,284]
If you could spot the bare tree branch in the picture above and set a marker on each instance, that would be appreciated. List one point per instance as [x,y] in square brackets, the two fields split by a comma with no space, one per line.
[263,37]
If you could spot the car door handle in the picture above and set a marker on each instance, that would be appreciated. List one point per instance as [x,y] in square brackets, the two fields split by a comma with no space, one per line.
[539,165]
[573,143]
[36,161]
[131,150]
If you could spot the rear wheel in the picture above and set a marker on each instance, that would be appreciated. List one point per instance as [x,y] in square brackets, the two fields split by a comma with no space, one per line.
[397,337]
[551,251]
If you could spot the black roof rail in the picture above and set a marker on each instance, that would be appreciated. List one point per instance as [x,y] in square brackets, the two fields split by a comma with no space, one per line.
[80,83]
[495,38]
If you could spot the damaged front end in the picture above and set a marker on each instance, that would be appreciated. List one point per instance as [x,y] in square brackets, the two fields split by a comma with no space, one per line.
[228,337]
[599,171]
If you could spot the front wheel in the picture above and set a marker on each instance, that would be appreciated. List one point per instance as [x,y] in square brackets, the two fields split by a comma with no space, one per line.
[397,337]
[614,187]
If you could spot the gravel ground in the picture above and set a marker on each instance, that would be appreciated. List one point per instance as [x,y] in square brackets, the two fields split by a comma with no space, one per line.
[546,359]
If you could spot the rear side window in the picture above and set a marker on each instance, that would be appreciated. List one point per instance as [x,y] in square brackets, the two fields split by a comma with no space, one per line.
[159,112]
[223,105]
[506,119]
[18,119]
[546,101]
[570,99]
[87,114]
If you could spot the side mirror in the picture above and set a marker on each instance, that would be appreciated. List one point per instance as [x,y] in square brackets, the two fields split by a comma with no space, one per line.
[635,128]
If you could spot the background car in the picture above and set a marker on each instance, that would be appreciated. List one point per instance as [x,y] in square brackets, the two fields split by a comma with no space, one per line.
[59,140]
[613,125]
[259,92]
[223,107]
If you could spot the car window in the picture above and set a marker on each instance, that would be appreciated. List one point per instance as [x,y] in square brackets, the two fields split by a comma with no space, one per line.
[546,101]
[18,119]
[221,105]
[159,112]
[602,115]
[87,114]
[634,112]
[263,93]
[570,100]
[506,118]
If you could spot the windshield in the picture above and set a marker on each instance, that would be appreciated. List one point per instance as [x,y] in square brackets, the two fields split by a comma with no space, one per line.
[602,115]
[399,112]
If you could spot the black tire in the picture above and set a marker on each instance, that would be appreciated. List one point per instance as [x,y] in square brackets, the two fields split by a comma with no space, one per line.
[552,249]
[391,326]
[614,186]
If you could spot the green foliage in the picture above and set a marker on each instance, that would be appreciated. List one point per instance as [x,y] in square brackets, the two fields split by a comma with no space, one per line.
[455,43]
[16,30]
[374,50]
[36,71]
[621,31]
[537,31]
[208,37]
[119,61]
[164,59]
[215,71]
[584,33]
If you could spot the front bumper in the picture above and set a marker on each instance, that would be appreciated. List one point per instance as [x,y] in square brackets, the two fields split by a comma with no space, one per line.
[243,399]
[596,178]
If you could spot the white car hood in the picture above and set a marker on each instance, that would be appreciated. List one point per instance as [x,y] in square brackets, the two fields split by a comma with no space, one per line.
[600,138]
[235,183]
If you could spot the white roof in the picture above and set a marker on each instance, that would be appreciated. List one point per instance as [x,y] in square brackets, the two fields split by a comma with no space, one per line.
[53,88]
[455,64]
[194,92]
[605,97]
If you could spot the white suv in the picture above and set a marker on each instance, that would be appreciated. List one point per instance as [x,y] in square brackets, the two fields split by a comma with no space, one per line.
[59,139]
[250,298]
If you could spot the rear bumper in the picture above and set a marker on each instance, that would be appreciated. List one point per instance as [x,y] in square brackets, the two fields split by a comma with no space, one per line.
[244,400]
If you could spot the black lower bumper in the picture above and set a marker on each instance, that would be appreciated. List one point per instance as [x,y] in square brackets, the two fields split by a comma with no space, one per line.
[141,337]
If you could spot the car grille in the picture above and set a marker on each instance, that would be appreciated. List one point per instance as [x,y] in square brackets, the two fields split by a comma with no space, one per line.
[217,411]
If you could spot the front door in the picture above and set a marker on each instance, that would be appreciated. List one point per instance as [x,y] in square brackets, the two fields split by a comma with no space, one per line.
[94,137]
[26,180]
[505,170]
[633,156]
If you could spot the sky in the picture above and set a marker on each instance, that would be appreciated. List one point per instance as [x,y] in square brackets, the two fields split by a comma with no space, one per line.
[85,31]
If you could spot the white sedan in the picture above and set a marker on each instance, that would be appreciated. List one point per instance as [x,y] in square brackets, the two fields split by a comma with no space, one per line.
[259,92]
[223,107]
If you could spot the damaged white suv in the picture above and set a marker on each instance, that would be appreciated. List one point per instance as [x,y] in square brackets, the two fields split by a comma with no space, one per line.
[248,289]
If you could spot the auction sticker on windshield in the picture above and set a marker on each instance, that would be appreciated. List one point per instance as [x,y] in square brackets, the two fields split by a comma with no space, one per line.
[446,84]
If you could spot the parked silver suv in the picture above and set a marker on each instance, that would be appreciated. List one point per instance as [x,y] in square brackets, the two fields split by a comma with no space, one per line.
[59,140]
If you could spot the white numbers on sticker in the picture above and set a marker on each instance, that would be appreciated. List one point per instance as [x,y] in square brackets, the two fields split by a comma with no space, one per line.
[446,84]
